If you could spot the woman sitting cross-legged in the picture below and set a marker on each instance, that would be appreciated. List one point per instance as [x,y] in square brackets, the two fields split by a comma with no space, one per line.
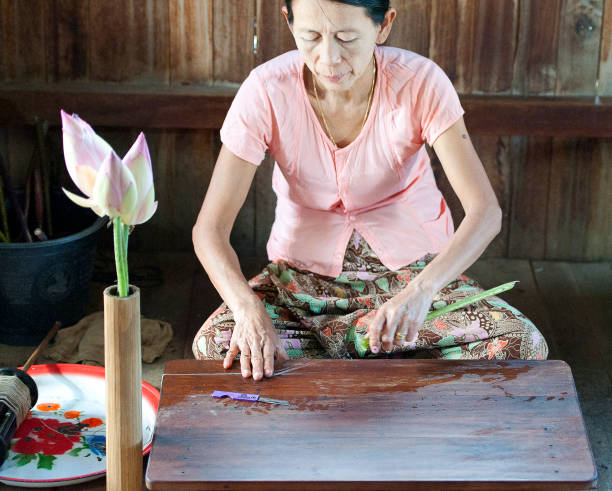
[363,244]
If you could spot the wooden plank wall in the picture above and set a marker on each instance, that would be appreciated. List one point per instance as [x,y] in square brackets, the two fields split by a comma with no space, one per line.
[554,191]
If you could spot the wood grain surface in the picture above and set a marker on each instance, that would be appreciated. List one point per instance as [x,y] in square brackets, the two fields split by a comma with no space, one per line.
[372,424]
[579,46]
[123,376]
[530,186]
[535,62]
[191,41]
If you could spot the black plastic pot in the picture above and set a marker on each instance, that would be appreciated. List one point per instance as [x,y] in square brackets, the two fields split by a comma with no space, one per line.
[44,282]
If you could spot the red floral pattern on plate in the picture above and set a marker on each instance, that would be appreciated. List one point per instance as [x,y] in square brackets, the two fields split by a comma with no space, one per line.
[48,436]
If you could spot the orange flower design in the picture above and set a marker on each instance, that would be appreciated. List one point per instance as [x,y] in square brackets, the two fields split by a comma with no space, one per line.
[72,414]
[366,300]
[365,320]
[48,406]
[495,346]
[92,422]
[404,276]
[438,324]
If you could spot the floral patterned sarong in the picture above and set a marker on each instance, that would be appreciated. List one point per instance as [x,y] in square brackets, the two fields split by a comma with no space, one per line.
[322,317]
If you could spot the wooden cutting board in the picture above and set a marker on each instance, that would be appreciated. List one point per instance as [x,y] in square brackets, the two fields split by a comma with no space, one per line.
[373,424]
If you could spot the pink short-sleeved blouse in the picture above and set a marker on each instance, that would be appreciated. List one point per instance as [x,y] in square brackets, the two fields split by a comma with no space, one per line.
[380,184]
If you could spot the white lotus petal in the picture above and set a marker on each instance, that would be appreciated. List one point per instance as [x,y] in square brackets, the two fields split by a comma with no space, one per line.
[79,200]
[83,148]
[138,160]
[115,189]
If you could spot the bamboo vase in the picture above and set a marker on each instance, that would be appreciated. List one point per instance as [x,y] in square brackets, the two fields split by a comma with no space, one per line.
[122,359]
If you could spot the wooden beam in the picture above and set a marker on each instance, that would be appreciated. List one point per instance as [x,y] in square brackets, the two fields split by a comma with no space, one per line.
[201,107]
[204,107]
[539,116]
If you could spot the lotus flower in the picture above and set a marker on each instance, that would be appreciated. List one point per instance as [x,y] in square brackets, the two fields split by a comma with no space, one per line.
[121,189]
[114,187]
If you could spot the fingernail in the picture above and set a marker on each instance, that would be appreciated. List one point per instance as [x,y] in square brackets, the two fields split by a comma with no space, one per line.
[374,349]
[269,372]
[245,373]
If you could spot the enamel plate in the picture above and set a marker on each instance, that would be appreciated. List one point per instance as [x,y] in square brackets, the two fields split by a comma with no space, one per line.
[63,439]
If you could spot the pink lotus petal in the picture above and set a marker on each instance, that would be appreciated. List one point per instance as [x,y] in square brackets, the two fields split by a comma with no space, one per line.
[145,213]
[82,147]
[138,161]
[115,189]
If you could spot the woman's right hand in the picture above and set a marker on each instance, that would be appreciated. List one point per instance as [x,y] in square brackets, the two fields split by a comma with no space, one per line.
[257,341]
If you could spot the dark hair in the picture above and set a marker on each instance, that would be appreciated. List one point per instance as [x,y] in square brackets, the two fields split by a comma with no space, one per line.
[376,9]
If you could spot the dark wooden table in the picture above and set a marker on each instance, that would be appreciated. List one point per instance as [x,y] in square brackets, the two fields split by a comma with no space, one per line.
[375,425]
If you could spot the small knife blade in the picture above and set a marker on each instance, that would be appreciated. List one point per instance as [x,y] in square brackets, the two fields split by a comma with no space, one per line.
[274,401]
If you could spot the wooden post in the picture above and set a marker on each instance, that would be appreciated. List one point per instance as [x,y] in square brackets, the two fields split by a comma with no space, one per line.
[122,357]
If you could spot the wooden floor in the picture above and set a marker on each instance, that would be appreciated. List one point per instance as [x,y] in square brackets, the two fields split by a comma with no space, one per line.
[571,303]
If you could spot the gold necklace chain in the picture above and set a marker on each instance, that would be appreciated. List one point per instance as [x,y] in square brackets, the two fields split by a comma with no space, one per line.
[365,116]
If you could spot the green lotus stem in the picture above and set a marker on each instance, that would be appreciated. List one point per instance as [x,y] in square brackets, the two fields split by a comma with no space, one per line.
[120,243]
[3,237]
[126,235]
[470,300]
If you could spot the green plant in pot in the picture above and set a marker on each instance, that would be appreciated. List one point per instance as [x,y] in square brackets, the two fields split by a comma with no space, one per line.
[47,250]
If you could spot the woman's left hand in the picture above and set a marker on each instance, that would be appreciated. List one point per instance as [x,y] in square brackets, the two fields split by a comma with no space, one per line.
[399,318]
